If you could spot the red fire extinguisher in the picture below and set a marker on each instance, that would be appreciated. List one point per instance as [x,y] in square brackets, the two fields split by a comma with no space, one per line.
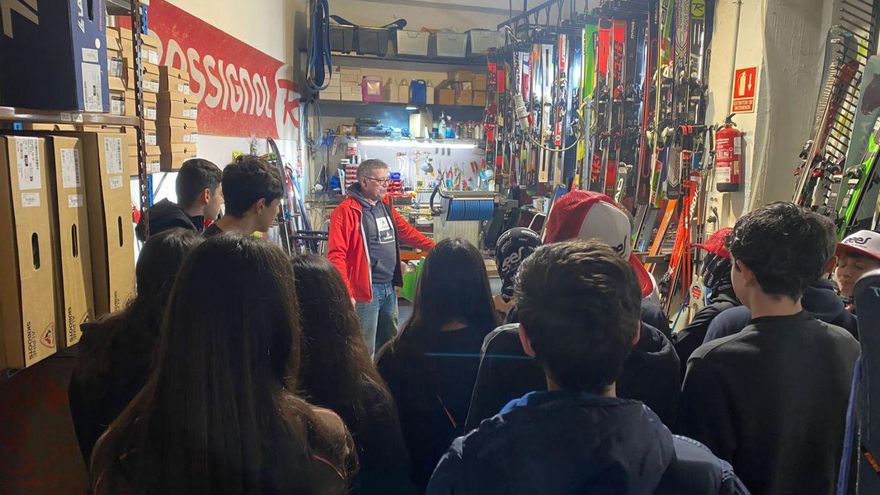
[728,156]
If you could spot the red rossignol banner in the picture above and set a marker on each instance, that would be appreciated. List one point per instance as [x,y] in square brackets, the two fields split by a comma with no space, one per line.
[240,90]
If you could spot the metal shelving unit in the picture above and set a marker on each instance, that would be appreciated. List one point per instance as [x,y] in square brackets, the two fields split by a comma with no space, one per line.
[403,62]
[143,176]
[12,114]
[130,8]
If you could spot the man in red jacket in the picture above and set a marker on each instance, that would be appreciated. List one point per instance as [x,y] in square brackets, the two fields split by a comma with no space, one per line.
[364,245]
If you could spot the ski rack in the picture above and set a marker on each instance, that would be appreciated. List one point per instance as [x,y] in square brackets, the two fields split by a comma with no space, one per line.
[850,43]
[521,23]
[624,10]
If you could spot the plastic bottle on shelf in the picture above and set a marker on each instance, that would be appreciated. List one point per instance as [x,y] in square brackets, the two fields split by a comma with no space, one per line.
[391,91]
[430,93]
[403,91]
[441,126]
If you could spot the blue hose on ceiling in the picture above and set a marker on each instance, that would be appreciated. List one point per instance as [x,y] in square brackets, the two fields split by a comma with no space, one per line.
[319,69]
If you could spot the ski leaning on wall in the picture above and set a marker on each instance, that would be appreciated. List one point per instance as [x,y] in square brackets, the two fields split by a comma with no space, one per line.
[858,181]
[867,111]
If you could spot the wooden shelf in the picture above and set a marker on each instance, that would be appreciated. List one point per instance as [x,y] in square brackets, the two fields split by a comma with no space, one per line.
[12,114]
[412,63]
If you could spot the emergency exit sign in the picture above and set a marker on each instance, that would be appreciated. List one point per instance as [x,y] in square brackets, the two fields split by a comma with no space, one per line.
[745,82]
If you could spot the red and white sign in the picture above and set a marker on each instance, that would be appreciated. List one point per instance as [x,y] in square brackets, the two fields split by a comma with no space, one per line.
[240,90]
[745,82]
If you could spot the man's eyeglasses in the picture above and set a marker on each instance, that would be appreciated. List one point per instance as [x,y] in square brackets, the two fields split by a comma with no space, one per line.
[384,181]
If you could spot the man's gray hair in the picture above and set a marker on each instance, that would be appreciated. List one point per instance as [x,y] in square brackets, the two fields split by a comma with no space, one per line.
[366,168]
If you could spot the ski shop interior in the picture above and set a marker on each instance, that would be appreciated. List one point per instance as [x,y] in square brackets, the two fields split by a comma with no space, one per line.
[686,114]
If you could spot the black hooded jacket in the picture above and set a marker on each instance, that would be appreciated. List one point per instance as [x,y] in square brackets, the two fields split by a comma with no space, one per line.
[576,443]
[166,215]
[650,374]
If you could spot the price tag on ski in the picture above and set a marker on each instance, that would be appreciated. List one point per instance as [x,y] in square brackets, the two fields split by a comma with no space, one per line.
[745,82]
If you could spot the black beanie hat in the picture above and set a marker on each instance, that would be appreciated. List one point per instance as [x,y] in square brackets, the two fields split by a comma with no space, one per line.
[512,248]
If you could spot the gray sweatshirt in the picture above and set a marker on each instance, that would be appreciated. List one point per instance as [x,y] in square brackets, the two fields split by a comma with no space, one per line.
[378,226]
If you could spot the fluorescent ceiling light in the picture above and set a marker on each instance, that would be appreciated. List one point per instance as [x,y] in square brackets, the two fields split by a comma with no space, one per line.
[402,143]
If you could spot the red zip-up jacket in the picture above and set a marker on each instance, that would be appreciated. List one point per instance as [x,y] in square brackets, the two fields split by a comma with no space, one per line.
[347,247]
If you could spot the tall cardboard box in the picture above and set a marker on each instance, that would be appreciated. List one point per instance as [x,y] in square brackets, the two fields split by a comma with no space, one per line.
[73,262]
[105,159]
[27,279]
[54,57]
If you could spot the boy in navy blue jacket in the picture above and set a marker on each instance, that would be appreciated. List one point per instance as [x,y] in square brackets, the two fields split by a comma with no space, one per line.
[579,317]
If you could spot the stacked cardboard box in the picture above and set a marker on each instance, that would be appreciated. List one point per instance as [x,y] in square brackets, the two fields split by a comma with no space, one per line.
[350,80]
[116,72]
[27,276]
[121,66]
[333,91]
[177,128]
[462,87]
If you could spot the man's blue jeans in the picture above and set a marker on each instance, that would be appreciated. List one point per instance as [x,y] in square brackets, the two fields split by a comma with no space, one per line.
[379,317]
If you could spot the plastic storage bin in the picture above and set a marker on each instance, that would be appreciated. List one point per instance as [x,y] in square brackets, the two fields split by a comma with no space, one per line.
[481,40]
[342,38]
[372,41]
[412,42]
[448,44]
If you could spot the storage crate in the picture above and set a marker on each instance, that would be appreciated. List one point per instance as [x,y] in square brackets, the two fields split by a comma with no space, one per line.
[448,44]
[372,41]
[342,38]
[481,40]
[412,42]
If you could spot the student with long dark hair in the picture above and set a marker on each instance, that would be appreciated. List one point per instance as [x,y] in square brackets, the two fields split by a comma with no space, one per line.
[115,353]
[218,415]
[431,366]
[338,373]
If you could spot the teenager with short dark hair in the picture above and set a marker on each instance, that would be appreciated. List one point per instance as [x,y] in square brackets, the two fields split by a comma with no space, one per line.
[652,373]
[772,398]
[219,414]
[338,373]
[115,354]
[430,367]
[820,299]
[579,305]
[253,190]
[199,198]
[857,254]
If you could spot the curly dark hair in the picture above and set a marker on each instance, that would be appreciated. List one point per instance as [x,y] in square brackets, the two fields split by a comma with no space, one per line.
[786,247]
[248,179]
[579,303]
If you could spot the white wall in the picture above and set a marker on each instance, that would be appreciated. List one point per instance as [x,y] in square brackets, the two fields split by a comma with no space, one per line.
[785,39]
[270,26]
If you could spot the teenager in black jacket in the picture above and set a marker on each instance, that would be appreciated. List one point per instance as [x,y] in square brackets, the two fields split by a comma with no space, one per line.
[578,438]
[116,353]
[772,399]
[651,373]
[431,365]
[199,198]
[337,373]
